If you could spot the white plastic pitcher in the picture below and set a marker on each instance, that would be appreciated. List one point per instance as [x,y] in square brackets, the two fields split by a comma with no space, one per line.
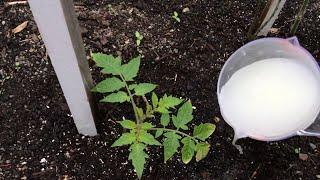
[261,49]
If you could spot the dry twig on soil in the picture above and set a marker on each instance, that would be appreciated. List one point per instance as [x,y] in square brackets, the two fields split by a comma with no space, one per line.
[16,3]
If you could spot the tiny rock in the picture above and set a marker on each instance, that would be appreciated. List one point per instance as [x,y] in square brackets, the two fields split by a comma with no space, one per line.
[67,154]
[303,157]
[43,160]
[185,10]
[318,176]
[216,119]
[274,30]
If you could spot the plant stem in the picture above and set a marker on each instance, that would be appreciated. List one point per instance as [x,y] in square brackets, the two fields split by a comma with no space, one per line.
[265,23]
[145,100]
[132,100]
[260,14]
[299,17]
[175,131]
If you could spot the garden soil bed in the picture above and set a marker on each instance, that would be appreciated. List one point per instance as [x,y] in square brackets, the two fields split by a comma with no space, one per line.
[38,139]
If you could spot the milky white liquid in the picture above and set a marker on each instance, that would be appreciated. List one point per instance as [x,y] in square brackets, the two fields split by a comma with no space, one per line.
[272,98]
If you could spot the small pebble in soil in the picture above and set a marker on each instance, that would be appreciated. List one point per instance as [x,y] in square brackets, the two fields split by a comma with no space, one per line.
[185,10]
[318,176]
[101,161]
[43,160]
[303,157]
[216,119]
[3,22]
[67,154]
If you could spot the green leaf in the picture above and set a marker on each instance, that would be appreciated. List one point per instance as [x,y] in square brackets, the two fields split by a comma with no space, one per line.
[119,97]
[175,16]
[159,132]
[170,144]
[110,64]
[144,88]
[187,149]
[203,131]
[184,115]
[132,86]
[138,42]
[138,157]
[165,119]
[155,100]
[128,124]
[138,35]
[109,85]
[162,110]
[130,70]
[148,138]
[184,127]
[124,139]
[146,126]
[202,150]
[167,102]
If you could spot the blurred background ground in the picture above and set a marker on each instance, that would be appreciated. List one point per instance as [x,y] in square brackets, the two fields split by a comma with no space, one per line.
[38,139]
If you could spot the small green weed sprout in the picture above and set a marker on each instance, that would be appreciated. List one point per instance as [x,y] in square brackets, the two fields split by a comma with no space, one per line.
[121,87]
[139,38]
[17,65]
[175,16]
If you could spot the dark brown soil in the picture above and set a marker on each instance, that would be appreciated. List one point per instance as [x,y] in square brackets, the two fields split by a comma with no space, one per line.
[38,139]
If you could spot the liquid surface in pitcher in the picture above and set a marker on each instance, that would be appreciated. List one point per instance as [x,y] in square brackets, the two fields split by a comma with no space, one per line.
[271,98]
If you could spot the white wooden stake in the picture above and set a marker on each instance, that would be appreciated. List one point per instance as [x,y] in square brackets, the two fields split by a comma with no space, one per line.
[60,32]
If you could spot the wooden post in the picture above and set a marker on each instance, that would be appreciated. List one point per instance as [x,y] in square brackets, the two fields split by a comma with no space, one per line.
[60,32]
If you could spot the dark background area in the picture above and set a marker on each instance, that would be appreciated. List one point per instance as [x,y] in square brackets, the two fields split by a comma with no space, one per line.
[184,59]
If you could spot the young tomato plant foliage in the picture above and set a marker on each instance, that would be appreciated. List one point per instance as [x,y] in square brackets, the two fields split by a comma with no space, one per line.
[139,38]
[175,16]
[121,87]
